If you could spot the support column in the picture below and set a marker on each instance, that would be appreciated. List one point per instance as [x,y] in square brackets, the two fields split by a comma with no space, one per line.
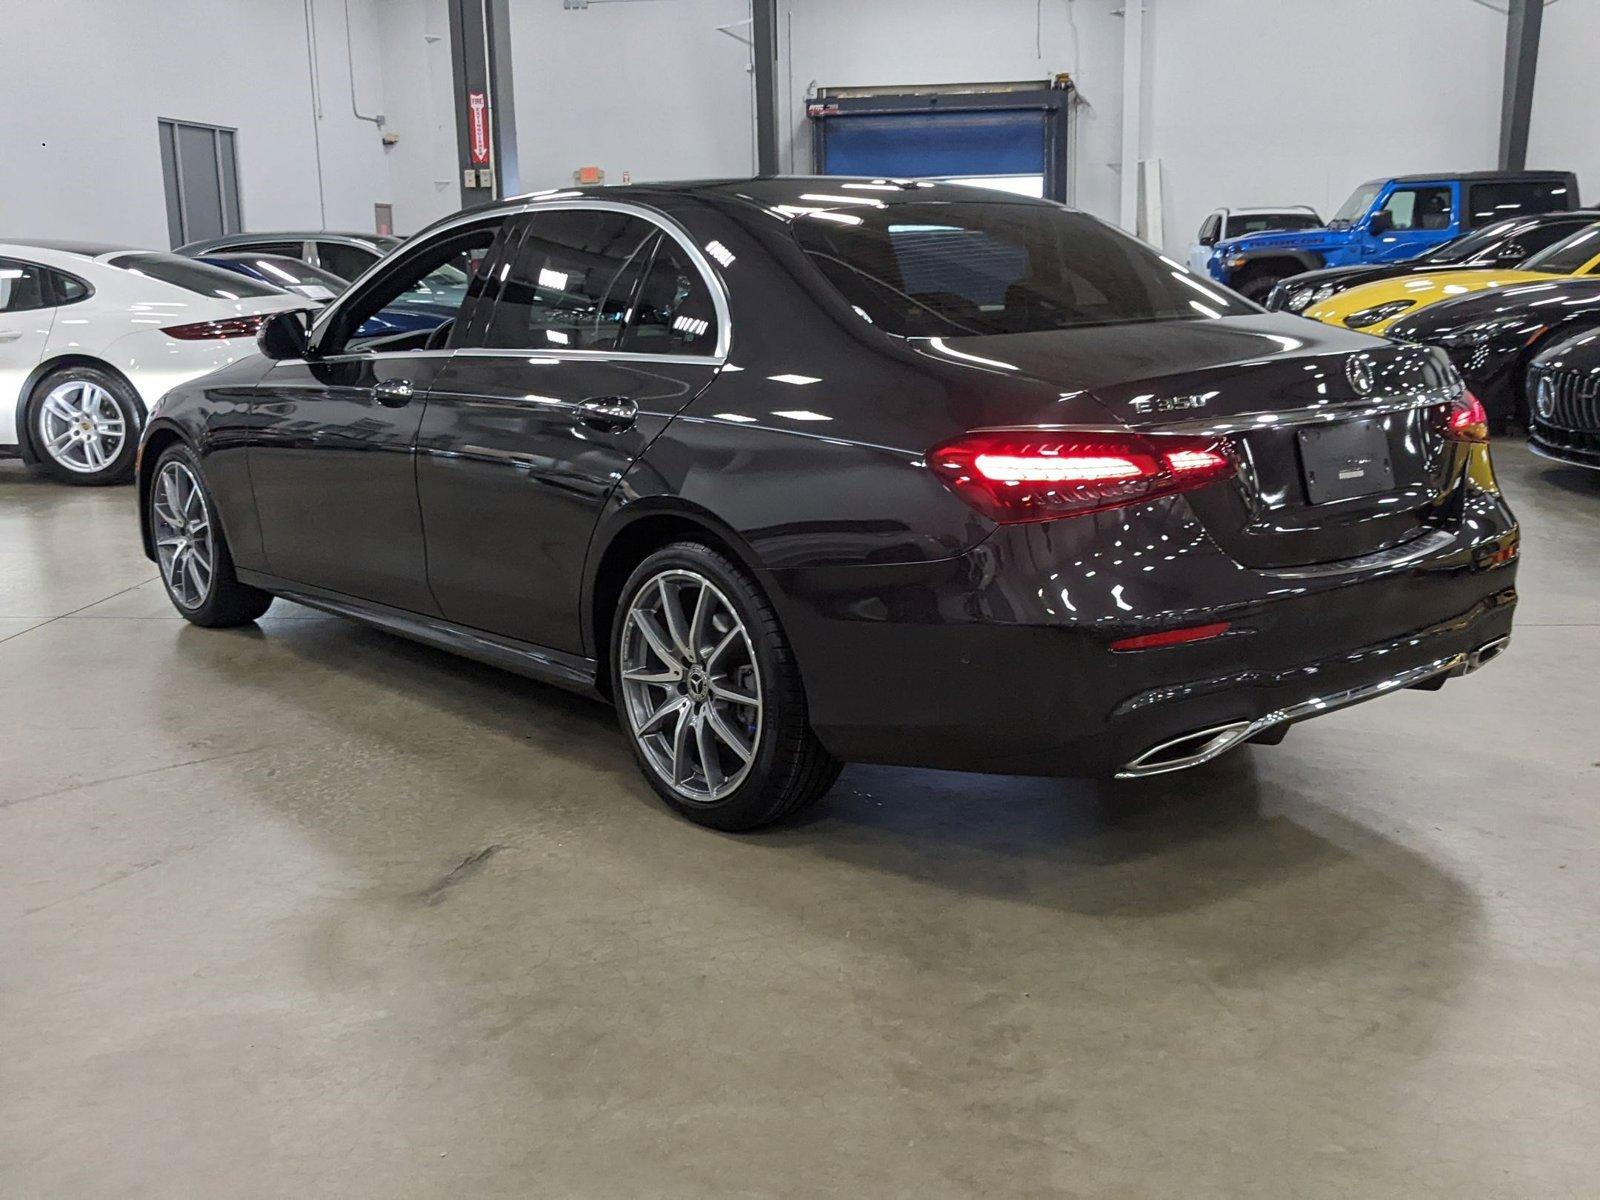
[1132,111]
[486,121]
[1516,96]
[764,55]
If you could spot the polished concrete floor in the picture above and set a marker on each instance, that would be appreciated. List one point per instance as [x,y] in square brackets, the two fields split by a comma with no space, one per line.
[307,910]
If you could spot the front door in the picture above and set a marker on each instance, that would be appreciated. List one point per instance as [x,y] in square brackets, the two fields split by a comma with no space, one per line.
[604,329]
[1420,217]
[26,314]
[333,443]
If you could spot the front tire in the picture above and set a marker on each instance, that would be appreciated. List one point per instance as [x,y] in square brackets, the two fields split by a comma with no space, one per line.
[709,694]
[1259,286]
[196,568]
[84,423]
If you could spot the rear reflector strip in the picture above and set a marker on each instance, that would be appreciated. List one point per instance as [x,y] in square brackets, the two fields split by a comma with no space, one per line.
[1171,637]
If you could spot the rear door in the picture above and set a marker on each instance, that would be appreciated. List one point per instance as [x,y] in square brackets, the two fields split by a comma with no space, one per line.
[606,326]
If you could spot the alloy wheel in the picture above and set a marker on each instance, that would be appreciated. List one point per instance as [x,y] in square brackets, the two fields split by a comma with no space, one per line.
[81,427]
[185,544]
[691,684]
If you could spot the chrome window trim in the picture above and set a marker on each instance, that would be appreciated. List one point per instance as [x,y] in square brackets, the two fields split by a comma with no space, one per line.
[690,360]
[714,283]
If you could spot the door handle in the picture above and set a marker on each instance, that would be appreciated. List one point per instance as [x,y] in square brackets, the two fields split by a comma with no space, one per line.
[394,393]
[10,335]
[611,413]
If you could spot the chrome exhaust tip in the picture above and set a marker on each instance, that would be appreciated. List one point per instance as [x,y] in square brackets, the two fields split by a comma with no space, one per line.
[1188,750]
[1486,653]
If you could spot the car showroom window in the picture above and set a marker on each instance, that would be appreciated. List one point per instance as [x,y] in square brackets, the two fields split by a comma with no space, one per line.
[201,278]
[1419,208]
[674,313]
[428,287]
[21,286]
[944,270]
[571,282]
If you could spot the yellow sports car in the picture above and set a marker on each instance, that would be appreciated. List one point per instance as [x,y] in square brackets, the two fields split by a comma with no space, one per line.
[1373,307]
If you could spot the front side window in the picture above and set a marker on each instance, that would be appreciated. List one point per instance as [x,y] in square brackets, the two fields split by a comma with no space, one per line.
[201,278]
[1413,209]
[948,269]
[21,286]
[1569,255]
[1210,231]
[571,281]
[429,287]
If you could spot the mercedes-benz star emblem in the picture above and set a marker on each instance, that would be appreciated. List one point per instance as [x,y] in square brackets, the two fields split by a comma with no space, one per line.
[1359,371]
[1544,397]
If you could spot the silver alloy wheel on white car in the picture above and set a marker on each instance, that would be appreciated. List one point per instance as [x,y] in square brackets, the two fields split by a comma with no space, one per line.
[691,684]
[185,546]
[81,427]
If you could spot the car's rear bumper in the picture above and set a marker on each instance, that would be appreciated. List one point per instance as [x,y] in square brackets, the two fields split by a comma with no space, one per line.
[1000,660]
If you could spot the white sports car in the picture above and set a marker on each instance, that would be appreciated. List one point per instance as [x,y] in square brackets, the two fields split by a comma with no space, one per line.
[92,336]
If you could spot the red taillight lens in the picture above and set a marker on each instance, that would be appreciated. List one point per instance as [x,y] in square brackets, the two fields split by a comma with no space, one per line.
[1467,421]
[228,327]
[1027,475]
[1171,637]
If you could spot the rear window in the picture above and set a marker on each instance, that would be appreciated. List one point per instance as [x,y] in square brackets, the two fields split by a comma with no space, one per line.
[1566,257]
[198,277]
[1516,198]
[948,269]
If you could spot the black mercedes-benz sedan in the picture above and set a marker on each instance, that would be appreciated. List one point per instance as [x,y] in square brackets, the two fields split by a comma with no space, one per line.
[1492,336]
[1564,386]
[798,472]
[1503,244]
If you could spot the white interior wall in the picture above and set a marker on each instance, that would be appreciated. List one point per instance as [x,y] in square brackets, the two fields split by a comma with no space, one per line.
[413,48]
[87,79]
[1564,133]
[651,89]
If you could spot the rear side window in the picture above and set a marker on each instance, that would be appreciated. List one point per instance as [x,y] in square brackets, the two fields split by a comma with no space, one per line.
[68,289]
[571,282]
[287,249]
[1515,198]
[1567,256]
[201,278]
[21,286]
[674,313]
[344,261]
[948,269]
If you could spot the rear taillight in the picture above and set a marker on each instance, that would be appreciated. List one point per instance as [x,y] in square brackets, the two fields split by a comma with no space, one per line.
[228,327]
[1032,475]
[1466,421]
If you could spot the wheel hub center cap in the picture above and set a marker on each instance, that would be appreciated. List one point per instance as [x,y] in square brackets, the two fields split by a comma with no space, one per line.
[699,684]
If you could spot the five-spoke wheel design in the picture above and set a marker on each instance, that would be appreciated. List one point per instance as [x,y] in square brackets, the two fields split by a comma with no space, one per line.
[185,545]
[691,685]
[81,427]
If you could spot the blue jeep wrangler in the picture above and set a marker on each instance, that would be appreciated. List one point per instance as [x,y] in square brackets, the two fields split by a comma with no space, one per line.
[1389,219]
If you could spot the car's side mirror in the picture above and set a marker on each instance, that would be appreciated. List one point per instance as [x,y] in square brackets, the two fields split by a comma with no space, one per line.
[285,335]
[1208,239]
[1381,223]
[1511,252]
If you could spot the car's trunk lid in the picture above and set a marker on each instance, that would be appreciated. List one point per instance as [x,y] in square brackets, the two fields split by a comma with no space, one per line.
[1274,386]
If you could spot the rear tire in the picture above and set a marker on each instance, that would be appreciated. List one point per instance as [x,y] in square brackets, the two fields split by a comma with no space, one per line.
[191,550]
[692,637]
[84,425]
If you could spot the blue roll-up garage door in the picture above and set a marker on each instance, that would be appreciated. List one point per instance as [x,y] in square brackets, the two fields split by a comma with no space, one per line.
[1007,142]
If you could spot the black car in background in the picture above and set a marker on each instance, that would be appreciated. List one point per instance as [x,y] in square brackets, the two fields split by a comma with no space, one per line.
[1563,387]
[1492,336]
[804,471]
[1506,243]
